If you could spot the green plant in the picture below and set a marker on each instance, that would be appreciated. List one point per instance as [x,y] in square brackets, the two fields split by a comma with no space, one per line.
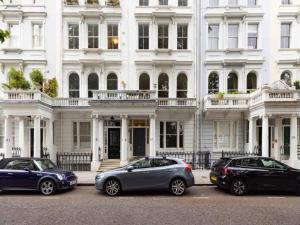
[297,84]
[50,87]
[37,78]
[16,80]
[93,2]
[4,34]
[219,95]
[113,2]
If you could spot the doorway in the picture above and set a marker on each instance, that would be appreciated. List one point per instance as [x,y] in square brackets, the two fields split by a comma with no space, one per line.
[139,142]
[260,137]
[32,142]
[114,143]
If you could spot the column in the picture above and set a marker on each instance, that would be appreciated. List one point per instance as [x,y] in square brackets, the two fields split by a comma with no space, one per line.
[278,138]
[7,137]
[265,136]
[37,137]
[95,143]
[24,150]
[101,137]
[152,136]
[252,135]
[49,139]
[293,141]
[124,143]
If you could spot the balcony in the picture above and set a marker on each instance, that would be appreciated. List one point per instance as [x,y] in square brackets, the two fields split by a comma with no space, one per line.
[227,102]
[183,103]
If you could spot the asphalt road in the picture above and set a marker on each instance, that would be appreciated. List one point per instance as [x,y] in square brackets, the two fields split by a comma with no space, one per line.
[200,205]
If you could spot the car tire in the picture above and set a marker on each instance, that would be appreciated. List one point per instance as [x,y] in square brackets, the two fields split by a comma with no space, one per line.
[238,187]
[47,187]
[177,187]
[112,187]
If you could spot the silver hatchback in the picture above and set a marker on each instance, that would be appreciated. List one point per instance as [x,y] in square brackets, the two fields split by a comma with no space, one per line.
[147,174]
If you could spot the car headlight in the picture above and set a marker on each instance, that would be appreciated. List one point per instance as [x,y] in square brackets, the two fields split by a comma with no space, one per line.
[60,176]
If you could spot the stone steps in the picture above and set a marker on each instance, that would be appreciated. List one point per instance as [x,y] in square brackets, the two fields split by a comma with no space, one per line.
[109,164]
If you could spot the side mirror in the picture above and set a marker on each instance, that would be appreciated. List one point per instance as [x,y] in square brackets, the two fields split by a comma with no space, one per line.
[130,168]
[27,169]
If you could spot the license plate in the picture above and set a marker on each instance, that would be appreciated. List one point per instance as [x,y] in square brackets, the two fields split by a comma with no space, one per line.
[213,178]
[73,182]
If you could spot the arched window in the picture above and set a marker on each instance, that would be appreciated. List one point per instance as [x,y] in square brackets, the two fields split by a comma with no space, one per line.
[213,83]
[112,81]
[182,86]
[144,82]
[163,86]
[286,76]
[74,85]
[232,83]
[93,84]
[251,82]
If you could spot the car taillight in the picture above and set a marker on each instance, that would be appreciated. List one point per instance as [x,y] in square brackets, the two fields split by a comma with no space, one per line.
[188,167]
[225,171]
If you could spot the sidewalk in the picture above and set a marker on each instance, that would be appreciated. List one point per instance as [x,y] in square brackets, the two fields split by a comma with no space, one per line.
[88,178]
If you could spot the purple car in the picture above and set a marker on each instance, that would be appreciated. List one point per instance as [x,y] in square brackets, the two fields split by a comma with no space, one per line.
[34,174]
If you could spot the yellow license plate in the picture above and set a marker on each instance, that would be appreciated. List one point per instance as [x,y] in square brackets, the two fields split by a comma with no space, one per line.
[213,178]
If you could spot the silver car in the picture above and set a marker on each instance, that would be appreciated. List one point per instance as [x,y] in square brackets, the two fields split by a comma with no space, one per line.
[148,174]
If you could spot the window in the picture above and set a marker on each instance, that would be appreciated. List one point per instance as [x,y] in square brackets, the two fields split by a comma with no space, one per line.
[182,3]
[144,82]
[74,85]
[182,36]
[112,82]
[213,36]
[142,164]
[213,83]
[93,36]
[171,134]
[251,82]
[143,36]
[113,36]
[252,36]
[232,83]
[163,2]
[14,39]
[37,36]
[182,86]
[233,35]
[285,35]
[213,3]
[1,133]
[163,86]
[93,84]
[272,164]
[225,135]
[286,76]
[163,36]
[252,3]
[285,2]
[144,2]
[82,135]
[233,2]
[20,165]
[73,36]
[162,162]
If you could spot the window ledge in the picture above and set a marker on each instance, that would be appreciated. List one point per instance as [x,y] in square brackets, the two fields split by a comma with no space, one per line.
[232,50]
[288,49]
[163,51]
[92,50]
[17,50]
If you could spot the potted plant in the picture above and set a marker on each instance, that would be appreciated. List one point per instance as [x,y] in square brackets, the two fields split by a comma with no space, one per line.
[16,80]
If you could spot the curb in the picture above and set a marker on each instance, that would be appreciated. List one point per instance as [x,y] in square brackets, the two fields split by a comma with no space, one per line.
[195,185]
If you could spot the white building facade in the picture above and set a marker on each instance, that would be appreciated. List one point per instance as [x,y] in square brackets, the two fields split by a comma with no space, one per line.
[126,74]
[250,61]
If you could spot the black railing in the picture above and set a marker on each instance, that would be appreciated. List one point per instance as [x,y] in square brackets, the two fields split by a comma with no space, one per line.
[237,154]
[16,152]
[45,154]
[199,160]
[75,161]
[2,156]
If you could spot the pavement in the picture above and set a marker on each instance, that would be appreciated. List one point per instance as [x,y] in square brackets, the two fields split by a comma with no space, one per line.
[204,205]
[88,178]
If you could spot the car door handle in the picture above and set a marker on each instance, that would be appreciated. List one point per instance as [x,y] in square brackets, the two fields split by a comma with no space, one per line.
[169,171]
[10,173]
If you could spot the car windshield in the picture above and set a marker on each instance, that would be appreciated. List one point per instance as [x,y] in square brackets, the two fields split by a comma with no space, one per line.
[45,164]
[222,162]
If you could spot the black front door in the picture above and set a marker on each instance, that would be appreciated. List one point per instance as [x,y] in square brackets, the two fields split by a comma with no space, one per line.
[139,142]
[114,143]
[32,142]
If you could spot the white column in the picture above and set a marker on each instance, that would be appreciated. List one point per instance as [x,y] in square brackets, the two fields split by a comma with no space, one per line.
[7,137]
[265,136]
[278,138]
[101,137]
[152,136]
[124,143]
[24,150]
[95,162]
[252,135]
[49,139]
[293,140]
[37,137]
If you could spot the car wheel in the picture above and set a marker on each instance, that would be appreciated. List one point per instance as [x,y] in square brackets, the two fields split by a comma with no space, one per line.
[238,187]
[177,187]
[112,187]
[47,187]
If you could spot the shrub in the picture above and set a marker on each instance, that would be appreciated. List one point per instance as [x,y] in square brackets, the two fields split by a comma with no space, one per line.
[297,84]
[50,87]
[16,80]
[37,79]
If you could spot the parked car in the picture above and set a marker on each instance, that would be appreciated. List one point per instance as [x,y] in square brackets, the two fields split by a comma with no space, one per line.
[148,174]
[243,174]
[34,174]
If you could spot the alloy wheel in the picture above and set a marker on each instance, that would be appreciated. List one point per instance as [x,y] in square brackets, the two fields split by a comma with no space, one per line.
[239,187]
[178,187]
[112,187]
[47,187]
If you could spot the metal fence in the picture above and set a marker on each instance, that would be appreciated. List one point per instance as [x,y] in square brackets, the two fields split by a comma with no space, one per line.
[199,160]
[75,161]
[2,156]
[16,152]
[237,154]
[45,154]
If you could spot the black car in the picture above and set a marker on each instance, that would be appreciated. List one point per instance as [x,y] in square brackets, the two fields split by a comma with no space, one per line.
[242,174]
[34,174]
